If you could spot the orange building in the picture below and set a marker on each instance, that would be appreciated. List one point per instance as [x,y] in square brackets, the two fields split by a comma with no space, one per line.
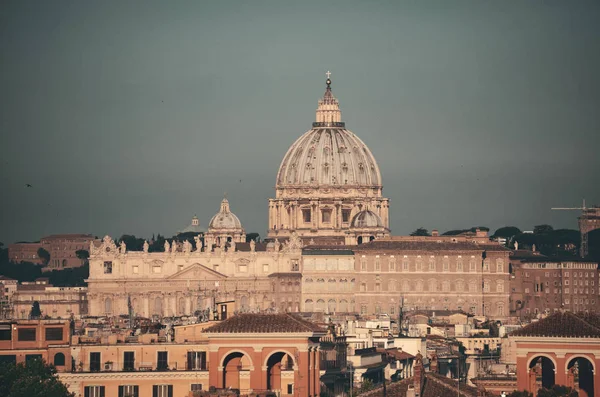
[562,349]
[36,339]
[250,353]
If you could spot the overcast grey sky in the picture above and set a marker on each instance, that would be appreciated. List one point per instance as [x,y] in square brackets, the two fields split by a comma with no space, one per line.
[132,116]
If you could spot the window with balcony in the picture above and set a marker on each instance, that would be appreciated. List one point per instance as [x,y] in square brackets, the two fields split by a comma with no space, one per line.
[196,361]
[93,391]
[162,391]
[94,361]
[162,362]
[128,361]
[129,391]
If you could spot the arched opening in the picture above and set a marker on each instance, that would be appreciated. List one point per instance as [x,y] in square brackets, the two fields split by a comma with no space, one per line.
[541,371]
[233,365]
[331,306]
[343,306]
[308,305]
[181,304]
[580,376]
[371,238]
[320,305]
[157,306]
[108,305]
[278,376]
[59,359]
[229,239]
[359,240]
[64,263]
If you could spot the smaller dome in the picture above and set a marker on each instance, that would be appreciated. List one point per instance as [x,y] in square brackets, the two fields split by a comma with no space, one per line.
[366,218]
[225,219]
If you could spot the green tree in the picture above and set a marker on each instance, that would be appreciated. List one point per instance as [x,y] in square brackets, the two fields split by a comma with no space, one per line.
[507,232]
[133,243]
[421,232]
[542,229]
[32,379]
[35,312]
[523,393]
[43,255]
[83,256]
[558,391]
[252,236]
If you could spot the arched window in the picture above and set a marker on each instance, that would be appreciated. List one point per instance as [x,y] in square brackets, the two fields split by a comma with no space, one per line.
[331,284]
[419,286]
[108,305]
[320,305]
[344,306]
[459,265]
[499,265]
[308,305]
[486,285]
[445,286]
[392,285]
[331,306]
[431,264]
[460,286]
[392,264]
[59,359]
[432,285]
[405,286]
[472,286]
[499,286]
[158,306]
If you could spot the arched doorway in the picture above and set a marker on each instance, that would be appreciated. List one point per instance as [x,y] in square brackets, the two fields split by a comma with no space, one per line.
[541,373]
[278,377]
[233,365]
[580,376]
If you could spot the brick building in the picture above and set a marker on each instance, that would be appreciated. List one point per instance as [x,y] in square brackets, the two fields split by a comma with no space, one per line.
[61,247]
[540,284]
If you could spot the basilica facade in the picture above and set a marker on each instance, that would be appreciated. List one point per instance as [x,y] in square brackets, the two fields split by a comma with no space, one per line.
[328,249]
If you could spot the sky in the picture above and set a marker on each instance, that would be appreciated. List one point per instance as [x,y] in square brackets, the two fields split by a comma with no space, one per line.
[129,117]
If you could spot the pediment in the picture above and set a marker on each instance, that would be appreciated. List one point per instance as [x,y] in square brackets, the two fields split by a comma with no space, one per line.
[197,272]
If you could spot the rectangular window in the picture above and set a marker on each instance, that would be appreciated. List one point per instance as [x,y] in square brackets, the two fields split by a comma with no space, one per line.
[8,359]
[156,269]
[265,268]
[93,391]
[472,265]
[306,215]
[326,216]
[162,391]
[26,334]
[95,361]
[405,264]
[196,387]
[346,215]
[377,264]
[128,361]
[459,265]
[196,361]
[129,391]
[31,357]
[363,263]
[446,265]
[108,267]
[290,388]
[54,333]
[392,264]
[162,361]
[136,269]
[243,268]
[431,264]
[5,332]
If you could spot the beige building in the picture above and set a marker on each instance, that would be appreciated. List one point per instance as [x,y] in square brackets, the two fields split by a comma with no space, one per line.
[320,257]
[55,302]
[329,186]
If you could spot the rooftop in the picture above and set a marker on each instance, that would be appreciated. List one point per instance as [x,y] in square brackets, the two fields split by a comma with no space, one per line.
[264,323]
[563,325]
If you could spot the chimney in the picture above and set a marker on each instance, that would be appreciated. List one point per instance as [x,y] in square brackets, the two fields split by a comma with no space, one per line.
[435,233]
[433,364]
[419,374]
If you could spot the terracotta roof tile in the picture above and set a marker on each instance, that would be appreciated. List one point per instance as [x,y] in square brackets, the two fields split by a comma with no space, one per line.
[264,323]
[563,325]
